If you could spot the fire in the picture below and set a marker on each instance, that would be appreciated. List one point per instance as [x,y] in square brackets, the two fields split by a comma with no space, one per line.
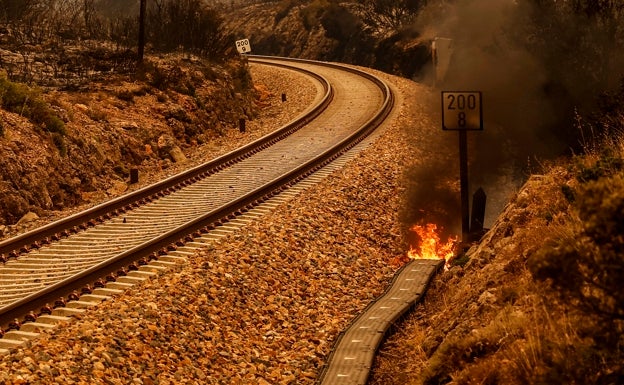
[430,246]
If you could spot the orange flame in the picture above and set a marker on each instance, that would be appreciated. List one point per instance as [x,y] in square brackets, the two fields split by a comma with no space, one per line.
[430,246]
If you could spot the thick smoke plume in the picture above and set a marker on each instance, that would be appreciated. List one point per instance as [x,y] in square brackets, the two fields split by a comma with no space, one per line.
[540,65]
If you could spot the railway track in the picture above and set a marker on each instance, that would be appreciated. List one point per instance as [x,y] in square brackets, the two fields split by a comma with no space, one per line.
[55,270]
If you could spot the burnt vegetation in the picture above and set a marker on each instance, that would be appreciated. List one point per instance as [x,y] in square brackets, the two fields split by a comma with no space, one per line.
[70,75]
[70,42]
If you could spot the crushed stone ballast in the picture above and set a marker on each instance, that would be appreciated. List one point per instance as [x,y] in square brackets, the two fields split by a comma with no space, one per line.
[62,268]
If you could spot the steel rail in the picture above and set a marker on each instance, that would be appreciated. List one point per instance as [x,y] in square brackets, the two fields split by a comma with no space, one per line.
[196,227]
[11,248]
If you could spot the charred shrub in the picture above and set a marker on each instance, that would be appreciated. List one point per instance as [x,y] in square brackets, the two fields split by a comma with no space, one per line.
[283,9]
[339,23]
[311,14]
[191,25]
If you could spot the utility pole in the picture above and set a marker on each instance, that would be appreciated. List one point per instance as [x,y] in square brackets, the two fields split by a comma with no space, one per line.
[141,50]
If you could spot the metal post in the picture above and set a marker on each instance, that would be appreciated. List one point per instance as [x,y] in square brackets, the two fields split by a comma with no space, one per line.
[478,213]
[283,97]
[241,125]
[463,184]
[134,175]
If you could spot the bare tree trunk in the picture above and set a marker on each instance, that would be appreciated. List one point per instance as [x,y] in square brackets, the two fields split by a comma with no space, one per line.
[142,31]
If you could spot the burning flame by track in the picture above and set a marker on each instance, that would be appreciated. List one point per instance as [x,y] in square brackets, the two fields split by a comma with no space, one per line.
[430,246]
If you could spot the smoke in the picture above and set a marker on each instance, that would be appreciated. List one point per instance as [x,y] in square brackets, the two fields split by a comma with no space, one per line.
[537,63]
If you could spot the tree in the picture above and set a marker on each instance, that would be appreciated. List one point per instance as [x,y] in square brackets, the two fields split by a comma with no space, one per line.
[141,49]
[387,16]
[187,24]
[12,10]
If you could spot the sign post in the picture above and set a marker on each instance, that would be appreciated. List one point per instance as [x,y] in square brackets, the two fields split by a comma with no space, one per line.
[441,52]
[462,111]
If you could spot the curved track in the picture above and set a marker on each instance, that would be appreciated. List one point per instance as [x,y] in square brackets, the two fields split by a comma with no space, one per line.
[65,260]
[57,270]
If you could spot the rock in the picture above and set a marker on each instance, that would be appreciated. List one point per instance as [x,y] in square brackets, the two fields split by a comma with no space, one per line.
[118,187]
[168,148]
[487,298]
[2,230]
[81,107]
[165,143]
[177,155]
[128,125]
[27,218]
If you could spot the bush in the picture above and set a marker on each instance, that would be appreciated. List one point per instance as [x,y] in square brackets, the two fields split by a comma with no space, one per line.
[59,142]
[587,267]
[609,119]
[283,9]
[606,165]
[125,95]
[27,102]
[242,77]
[188,24]
[15,96]
[55,125]
[311,14]
[165,78]
[339,23]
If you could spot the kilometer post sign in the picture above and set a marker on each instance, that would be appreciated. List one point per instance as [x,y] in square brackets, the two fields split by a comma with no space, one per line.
[462,111]
[243,46]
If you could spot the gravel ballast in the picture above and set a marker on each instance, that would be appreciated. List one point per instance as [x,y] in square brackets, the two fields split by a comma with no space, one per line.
[263,305]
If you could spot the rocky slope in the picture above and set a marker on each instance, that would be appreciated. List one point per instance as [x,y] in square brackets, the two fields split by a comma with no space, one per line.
[535,301]
[322,30]
[150,122]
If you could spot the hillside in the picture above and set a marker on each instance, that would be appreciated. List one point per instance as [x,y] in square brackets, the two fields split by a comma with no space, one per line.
[112,125]
[330,31]
[537,300]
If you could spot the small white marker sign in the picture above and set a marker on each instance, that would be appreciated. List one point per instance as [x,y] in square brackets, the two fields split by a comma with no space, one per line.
[243,46]
[462,111]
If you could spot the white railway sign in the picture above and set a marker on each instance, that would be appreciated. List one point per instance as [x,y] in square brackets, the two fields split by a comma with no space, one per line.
[462,111]
[243,46]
